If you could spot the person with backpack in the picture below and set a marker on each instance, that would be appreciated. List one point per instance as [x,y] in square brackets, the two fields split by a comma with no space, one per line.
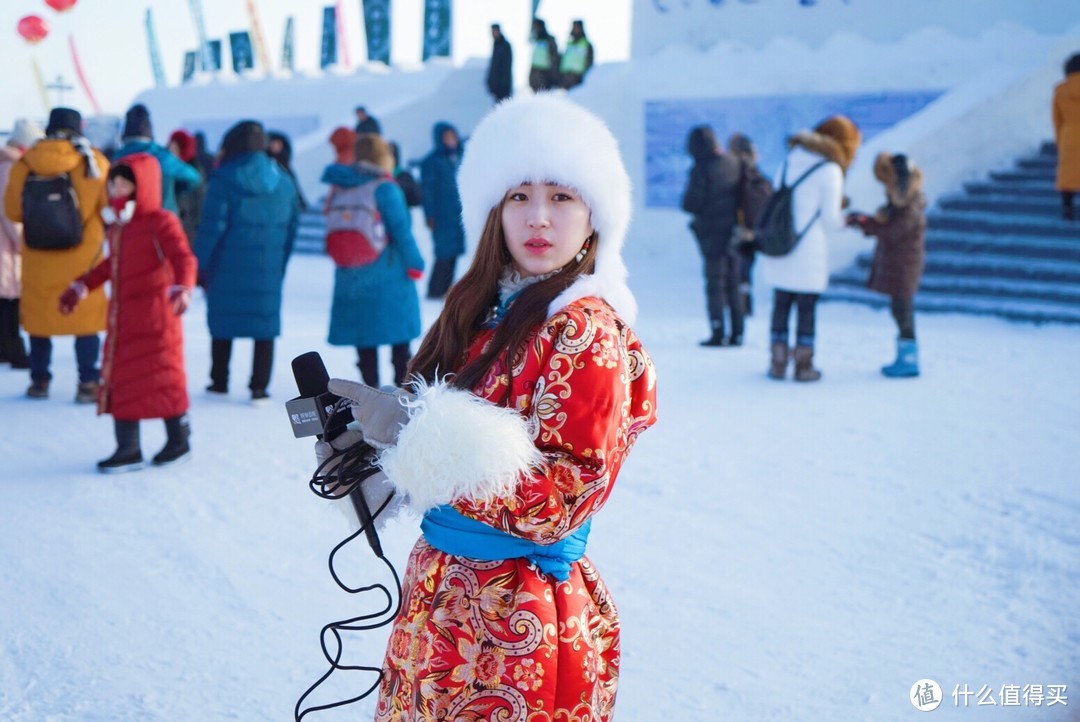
[138,137]
[809,198]
[24,134]
[151,271]
[377,262]
[414,197]
[900,252]
[57,190]
[245,238]
[755,190]
[712,197]
[442,206]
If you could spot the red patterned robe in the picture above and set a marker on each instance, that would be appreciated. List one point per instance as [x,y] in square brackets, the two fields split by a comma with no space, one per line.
[501,640]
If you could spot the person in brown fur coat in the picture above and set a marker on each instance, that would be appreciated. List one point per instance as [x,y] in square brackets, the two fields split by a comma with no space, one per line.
[899,256]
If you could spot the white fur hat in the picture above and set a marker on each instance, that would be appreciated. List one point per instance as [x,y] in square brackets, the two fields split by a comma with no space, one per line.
[25,133]
[547,138]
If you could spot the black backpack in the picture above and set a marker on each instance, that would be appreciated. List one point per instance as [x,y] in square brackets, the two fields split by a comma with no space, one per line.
[774,232]
[51,217]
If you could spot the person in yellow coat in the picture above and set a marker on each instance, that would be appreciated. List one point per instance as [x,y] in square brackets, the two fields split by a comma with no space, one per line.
[47,273]
[1067,136]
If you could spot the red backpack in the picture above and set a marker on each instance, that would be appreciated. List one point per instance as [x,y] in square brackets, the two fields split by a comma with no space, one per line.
[355,235]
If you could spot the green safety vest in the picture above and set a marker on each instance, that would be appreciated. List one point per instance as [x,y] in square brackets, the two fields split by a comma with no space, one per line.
[575,57]
[541,58]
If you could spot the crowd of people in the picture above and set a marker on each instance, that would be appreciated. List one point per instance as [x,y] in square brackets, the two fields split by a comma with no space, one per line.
[733,206]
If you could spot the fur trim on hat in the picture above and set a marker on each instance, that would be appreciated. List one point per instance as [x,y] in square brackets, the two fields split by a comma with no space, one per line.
[547,138]
[24,133]
[900,194]
[828,148]
[457,445]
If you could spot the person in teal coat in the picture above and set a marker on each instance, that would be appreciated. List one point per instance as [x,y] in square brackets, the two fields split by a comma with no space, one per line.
[377,304]
[245,237]
[137,137]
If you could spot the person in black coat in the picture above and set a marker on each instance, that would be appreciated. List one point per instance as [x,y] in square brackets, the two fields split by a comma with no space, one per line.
[279,148]
[366,123]
[499,77]
[712,197]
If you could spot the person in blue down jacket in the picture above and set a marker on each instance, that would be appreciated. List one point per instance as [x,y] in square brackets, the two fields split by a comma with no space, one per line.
[245,237]
[376,304]
[442,206]
[138,137]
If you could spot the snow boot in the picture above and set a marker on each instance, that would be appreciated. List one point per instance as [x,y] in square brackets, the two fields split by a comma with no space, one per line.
[717,338]
[906,364]
[804,364]
[177,448]
[38,390]
[780,356]
[128,455]
[87,392]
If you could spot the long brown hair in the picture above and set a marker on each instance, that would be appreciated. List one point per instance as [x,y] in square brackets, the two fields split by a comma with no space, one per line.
[471,299]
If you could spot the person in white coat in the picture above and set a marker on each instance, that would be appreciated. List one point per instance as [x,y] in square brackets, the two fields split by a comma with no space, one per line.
[799,278]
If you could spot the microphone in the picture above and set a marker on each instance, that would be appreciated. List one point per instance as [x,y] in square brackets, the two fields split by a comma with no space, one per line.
[312,414]
[310,411]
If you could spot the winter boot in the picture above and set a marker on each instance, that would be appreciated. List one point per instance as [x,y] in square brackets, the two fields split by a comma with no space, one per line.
[717,338]
[804,364]
[128,455]
[38,390]
[906,364]
[177,449]
[87,392]
[779,363]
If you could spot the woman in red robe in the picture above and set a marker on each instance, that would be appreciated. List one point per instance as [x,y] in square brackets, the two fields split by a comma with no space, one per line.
[529,392]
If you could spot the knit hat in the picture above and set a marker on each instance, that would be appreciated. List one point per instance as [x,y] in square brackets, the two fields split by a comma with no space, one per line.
[547,138]
[343,139]
[64,120]
[185,145]
[845,133]
[137,123]
[24,133]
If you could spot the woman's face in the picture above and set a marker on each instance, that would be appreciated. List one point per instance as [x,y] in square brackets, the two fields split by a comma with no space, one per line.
[544,226]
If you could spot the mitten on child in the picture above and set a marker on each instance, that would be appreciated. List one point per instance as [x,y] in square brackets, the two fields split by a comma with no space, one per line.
[71,296]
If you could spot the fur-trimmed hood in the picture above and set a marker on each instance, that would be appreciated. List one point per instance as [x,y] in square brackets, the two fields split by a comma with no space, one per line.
[547,138]
[902,178]
[819,144]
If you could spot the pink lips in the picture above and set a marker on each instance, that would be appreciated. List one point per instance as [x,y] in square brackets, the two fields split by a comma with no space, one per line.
[537,245]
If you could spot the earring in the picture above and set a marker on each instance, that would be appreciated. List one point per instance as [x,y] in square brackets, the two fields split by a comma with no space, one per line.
[584,249]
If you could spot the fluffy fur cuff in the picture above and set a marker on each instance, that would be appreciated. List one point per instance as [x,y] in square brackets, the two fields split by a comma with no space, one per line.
[457,445]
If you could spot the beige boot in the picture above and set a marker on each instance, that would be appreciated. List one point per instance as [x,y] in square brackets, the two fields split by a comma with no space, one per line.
[780,357]
[804,364]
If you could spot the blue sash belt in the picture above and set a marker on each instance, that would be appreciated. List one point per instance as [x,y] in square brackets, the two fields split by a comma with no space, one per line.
[449,531]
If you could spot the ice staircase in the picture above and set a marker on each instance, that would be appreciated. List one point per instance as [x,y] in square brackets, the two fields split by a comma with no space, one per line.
[1000,248]
[311,233]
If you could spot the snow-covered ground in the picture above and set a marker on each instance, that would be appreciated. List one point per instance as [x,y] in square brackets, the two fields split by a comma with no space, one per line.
[777,551]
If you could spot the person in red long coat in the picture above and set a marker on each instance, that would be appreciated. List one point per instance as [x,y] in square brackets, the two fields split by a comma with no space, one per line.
[152,270]
[510,456]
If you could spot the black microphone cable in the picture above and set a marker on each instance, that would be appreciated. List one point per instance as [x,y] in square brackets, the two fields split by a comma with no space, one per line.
[343,473]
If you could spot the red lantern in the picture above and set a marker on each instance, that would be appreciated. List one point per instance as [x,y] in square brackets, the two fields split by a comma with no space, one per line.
[61,6]
[33,28]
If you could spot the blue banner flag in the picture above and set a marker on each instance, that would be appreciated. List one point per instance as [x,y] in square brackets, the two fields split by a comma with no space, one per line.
[377,29]
[328,49]
[243,57]
[436,28]
[287,62]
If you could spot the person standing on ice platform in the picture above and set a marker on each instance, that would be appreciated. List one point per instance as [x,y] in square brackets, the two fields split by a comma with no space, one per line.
[515,449]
